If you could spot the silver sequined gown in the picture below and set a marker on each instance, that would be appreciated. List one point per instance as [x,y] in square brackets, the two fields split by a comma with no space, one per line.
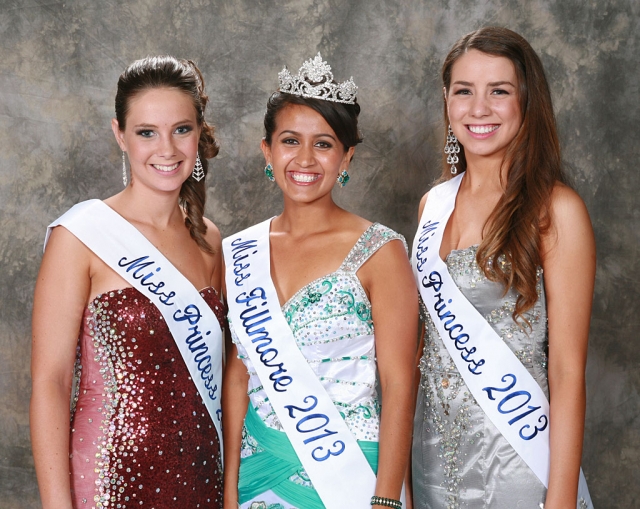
[460,459]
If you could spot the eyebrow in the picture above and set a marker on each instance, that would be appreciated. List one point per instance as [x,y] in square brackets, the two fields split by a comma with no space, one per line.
[153,126]
[492,84]
[295,133]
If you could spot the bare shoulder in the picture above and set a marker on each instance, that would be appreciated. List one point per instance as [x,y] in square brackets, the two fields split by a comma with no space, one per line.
[213,236]
[64,244]
[67,261]
[66,270]
[568,210]
[566,203]
[570,222]
[386,275]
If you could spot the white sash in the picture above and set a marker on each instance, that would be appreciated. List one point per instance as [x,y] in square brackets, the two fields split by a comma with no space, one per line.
[192,323]
[502,386]
[326,448]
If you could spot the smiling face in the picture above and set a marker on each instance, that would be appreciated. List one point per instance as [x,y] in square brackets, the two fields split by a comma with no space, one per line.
[483,104]
[305,153]
[160,137]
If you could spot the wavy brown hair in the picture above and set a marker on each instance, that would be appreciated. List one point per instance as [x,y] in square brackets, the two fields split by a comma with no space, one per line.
[182,75]
[533,167]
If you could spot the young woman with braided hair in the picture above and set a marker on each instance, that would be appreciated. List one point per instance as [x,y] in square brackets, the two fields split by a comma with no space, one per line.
[127,319]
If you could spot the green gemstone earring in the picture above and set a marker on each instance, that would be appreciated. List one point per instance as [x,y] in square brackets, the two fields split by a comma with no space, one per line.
[343,178]
[268,171]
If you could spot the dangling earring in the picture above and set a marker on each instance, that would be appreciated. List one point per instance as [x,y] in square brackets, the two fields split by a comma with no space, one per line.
[124,170]
[343,178]
[198,170]
[268,171]
[452,149]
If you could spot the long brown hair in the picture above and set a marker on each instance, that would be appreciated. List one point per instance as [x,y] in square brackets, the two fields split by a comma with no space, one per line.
[533,167]
[182,75]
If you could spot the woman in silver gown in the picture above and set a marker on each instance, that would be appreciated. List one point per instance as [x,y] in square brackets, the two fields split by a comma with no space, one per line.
[519,246]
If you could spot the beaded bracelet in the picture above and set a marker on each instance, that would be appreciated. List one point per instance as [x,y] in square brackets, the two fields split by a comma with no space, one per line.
[387,502]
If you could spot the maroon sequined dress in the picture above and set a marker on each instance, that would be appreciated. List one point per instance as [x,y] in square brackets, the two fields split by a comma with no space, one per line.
[141,435]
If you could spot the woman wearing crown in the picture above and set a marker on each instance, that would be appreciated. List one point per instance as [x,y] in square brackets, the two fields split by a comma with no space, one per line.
[504,259]
[324,333]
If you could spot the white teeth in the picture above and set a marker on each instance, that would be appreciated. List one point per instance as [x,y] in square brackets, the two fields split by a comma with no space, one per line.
[304,177]
[482,129]
[166,168]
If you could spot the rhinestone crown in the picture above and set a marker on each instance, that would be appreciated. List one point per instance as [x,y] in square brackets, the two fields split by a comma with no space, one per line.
[315,80]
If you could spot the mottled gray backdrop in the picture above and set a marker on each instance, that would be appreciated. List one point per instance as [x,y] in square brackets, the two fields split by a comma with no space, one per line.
[59,63]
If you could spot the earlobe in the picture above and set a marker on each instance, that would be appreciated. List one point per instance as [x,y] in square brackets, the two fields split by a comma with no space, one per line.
[343,174]
[348,156]
[115,127]
[446,103]
[266,150]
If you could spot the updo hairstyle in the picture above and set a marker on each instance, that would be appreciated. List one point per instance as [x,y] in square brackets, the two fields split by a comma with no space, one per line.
[183,75]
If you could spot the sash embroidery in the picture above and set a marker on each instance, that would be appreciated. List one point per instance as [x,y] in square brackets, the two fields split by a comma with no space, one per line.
[192,324]
[501,385]
[321,439]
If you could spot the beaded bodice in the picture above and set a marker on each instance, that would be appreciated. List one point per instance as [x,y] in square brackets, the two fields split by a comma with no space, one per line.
[140,432]
[452,417]
[332,325]
[529,346]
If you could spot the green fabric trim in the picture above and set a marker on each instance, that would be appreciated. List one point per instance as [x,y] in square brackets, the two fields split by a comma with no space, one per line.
[271,468]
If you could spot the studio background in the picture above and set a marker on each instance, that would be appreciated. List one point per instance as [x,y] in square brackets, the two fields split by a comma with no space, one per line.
[59,64]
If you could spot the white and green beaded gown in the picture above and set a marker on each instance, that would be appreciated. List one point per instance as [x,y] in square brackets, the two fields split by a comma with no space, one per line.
[332,325]
[459,458]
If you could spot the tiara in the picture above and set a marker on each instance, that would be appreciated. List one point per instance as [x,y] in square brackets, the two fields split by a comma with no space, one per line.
[315,80]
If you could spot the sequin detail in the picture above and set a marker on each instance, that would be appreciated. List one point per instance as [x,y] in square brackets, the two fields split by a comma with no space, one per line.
[451,414]
[264,505]
[140,434]
[331,322]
